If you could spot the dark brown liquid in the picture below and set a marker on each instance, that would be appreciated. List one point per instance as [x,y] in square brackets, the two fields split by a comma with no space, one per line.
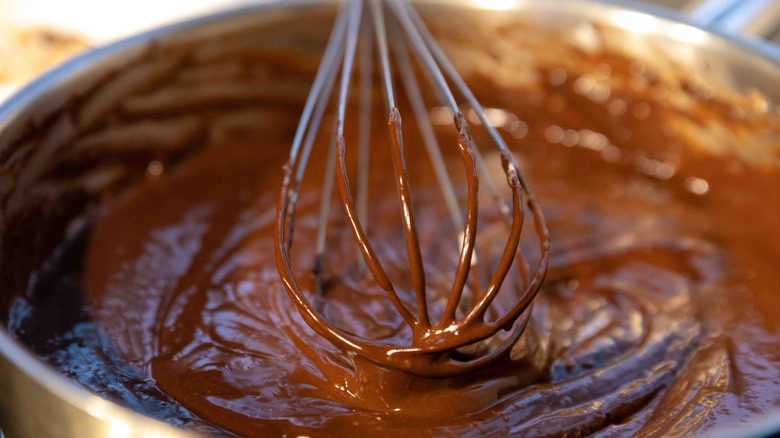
[657,317]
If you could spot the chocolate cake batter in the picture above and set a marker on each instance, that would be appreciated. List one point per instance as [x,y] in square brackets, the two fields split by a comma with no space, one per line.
[658,315]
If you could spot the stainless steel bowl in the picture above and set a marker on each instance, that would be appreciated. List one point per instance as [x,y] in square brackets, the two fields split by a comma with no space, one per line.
[36,401]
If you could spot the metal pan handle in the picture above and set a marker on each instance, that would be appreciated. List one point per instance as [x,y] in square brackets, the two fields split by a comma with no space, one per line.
[756,18]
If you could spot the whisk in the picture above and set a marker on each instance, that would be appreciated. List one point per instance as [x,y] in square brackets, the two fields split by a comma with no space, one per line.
[437,347]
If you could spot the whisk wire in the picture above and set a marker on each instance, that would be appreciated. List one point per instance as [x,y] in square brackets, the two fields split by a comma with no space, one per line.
[508,161]
[327,193]
[416,101]
[364,128]
[384,56]
[311,118]
[424,51]
[432,349]
[353,31]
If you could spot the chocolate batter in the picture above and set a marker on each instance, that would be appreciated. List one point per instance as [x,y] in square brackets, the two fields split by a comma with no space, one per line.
[657,317]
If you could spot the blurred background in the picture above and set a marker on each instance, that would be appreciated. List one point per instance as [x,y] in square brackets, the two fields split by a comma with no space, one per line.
[36,34]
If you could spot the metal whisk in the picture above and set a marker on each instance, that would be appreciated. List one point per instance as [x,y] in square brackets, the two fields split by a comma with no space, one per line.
[437,347]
